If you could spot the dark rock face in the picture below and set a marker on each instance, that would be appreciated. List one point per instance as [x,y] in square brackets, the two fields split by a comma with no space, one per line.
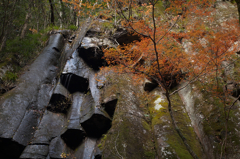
[60,100]
[67,121]
[124,37]
[19,107]
[150,85]
[73,137]
[110,107]
[93,57]
[94,120]
[74,83]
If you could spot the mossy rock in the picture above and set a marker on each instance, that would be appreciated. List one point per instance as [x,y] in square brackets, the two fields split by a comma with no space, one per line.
[168,142]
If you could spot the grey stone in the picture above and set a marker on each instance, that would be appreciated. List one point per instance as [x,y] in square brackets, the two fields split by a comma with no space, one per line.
[52,125]
[94,120]
[57,148]
[35,151]
[60,100]
[15,102]
[27,127]
[44,96]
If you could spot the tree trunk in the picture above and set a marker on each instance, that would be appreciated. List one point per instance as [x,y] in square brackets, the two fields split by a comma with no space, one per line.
[3,41]
[24,29]
[52,12]
[8,18]
[238,6]
[177,128]
[61,14]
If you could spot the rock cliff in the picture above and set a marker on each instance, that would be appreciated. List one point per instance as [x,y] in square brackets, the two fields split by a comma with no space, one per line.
[64,107]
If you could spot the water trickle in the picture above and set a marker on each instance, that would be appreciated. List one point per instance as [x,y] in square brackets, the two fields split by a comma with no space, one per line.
[69,79]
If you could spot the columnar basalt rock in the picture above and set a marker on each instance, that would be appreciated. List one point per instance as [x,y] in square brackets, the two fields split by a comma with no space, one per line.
[80,112]
[19,107]
[60,100]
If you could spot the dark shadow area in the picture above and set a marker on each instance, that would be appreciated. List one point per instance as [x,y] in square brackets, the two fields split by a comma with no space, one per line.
[5,89]
[10,149]
[93,57]
[98,157]
[74,83]
[173,80]
[124,37]
[110,107]
[59,104]
[149,86]
[73,137]
[96,125]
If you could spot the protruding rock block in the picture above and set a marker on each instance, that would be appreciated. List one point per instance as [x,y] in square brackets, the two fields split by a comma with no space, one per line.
[35,151]
[94,120]
[124,37]
[92,54]
[75,74]
[90,148]
[110,106]
[74,134]
[52,125]
[44,96]
[27,127]
[93,88]
[150,85]
[58,149]
[73,137]
[74,113]
[93,57]
[60,100]
[76,65]
[74,83]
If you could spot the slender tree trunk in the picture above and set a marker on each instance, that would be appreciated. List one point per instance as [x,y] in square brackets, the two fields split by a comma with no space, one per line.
[52,12]
[238,6]
[8,21]
[24,29]
[177,128]
[61,14]
[3,41]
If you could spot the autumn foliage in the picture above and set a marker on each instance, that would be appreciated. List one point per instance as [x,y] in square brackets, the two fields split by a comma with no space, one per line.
[180,41]
[184,45]
[177,42]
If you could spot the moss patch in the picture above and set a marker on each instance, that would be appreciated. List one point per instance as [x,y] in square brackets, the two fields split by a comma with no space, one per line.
[161,118]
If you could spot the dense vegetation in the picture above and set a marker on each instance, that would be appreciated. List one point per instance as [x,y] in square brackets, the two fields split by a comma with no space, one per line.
[24,31]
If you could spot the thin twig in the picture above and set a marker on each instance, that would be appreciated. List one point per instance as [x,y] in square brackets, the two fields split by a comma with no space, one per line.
[116,147]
